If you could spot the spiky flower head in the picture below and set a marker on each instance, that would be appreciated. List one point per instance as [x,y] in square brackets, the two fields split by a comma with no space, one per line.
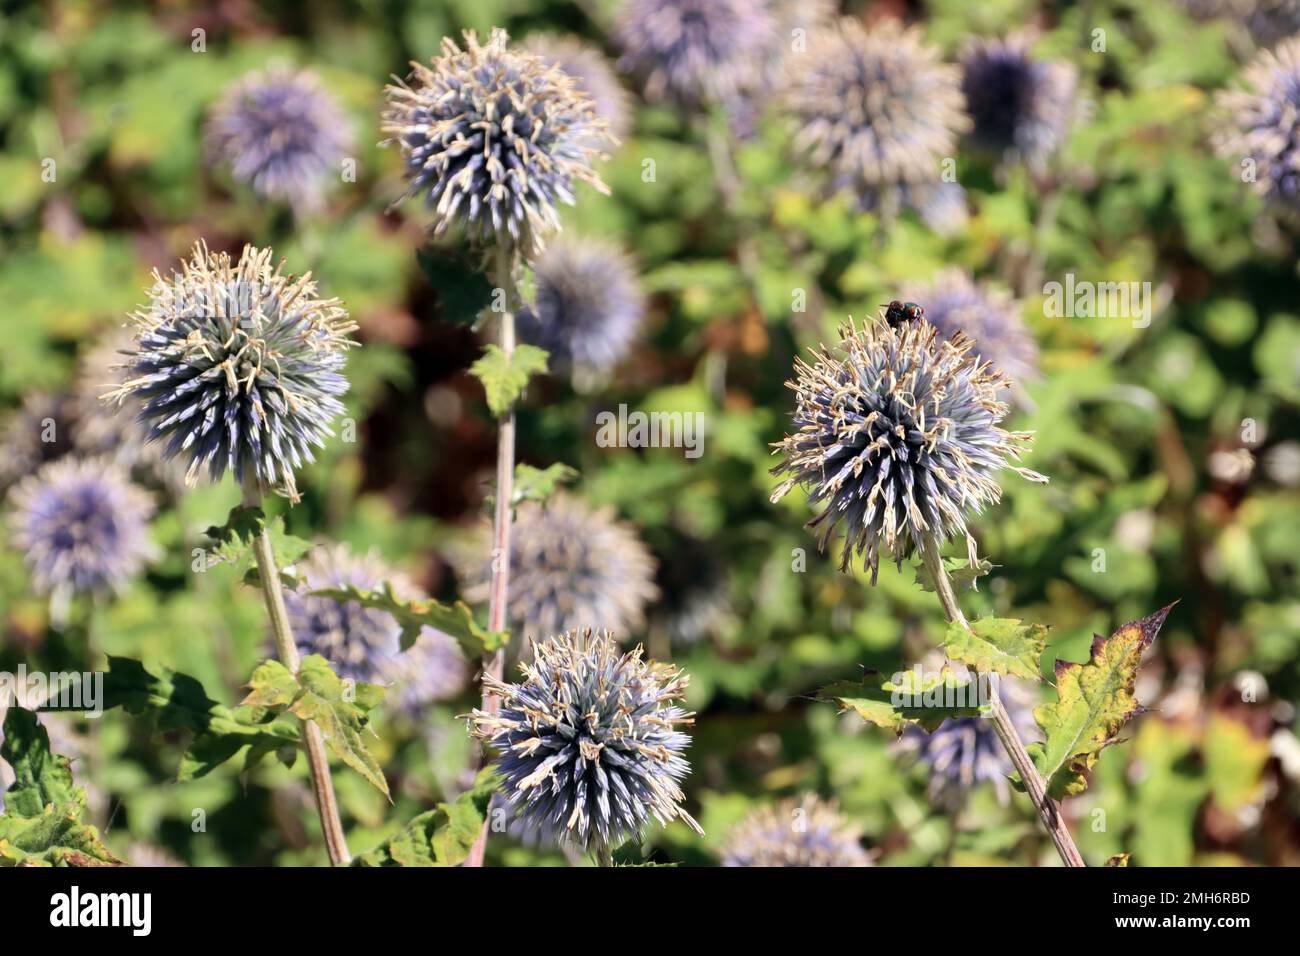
[897,437]
[588,304]
[365,644]
[1261,123]
[238,367]
[82,526]
[1021,106]
[807,831]
[987,314]
[591,73]
[696,52]
[875,107]
[281,132]
[571,567]
[495,139]
[588,741]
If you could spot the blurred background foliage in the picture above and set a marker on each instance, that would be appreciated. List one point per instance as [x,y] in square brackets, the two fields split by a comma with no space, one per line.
[1171,449]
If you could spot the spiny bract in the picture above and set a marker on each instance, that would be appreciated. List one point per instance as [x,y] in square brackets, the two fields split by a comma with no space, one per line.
[588,741]
[495,139]
[238,367]
[898,437]
[807,831]
[591,72]
[1261,124]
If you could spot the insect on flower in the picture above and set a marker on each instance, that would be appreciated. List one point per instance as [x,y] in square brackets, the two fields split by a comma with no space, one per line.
[896,313]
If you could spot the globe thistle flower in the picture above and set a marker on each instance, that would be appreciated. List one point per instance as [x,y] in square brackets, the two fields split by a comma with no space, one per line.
[588,741]
[495,139]
[988,315]
[82,527]
[808,831]
[965,751]
[36,433]
[1021,107]
[696,52]
[1261,123]
[571,567]
[592,74]
[365,644]
[588,304]
[282,133]
[238,367]
[874,108]
[898,438]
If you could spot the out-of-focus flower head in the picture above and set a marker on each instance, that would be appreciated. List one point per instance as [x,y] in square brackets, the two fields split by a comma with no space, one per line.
[807,831]
[1261,124]
[592,73]
[37,432]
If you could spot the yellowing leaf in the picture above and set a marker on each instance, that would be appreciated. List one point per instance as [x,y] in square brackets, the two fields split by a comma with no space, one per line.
[998,645]
[504,377]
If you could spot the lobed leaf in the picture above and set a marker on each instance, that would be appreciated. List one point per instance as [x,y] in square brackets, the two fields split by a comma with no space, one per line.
[914,700]
[998,645]
[454,619]
[442,836]
[505,377]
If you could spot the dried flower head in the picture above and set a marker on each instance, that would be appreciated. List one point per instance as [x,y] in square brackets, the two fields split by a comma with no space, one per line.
[588,304]
[495,139]
[82,526]
[592,73]
[238,367]
[807,831]
[588,741]
[988,315]
[1261,123]
[899,438]
[696,52]
[874,107]
[1021,106]
[283,133]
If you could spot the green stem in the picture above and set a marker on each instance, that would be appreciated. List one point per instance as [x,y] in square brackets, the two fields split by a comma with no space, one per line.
[604,855]
[1048,810]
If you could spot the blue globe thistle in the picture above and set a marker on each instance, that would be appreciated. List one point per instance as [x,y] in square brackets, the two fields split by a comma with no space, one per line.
[495,139]
[588,305]
[591,73]
[988,315]
[365,644]
[282,133]
[696,52]
[874,108]
[1261,123]
[238,367]
[1021,107]
[82,526]
[588,741]
[807,831]
[37,432]
[571,567]
[898,438]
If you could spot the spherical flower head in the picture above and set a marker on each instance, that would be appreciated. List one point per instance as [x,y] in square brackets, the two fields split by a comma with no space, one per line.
[588,741]
[495,139]
[37,432]
[1261,123]
[591,73]
[82,526]
[874,107]
[588,305]
[365,644]
[696,52]
[1021,106]
[282,133]
[898,438]
[807,831]
[988,315]
[571,567]
[237,367]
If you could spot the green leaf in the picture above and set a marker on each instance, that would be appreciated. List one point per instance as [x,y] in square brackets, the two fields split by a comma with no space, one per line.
[442,836]
[340,714]
[998,645]
[463,292]
[41,778]
[964,575]
[233,543]
[923,701]
[454,619]
[629,854]
[504,377]
[55,838]
[538,484]
[1094,702]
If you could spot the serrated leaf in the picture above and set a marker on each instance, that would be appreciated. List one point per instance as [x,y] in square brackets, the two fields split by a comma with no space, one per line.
[998,645]
[1094,702]
[922,701]
[504,377]
[538,484]
[463,291]
[41,778]
[442,836]
[455,619]
[55,838]
[964,575]
[341,716]
[233,542]
[271,686]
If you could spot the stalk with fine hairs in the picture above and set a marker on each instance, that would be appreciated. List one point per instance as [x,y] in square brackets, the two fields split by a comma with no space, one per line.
[321,781]
[1048,810]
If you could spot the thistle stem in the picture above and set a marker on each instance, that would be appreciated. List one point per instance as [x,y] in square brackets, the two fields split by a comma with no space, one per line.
[604,855]
[494,663]
[1048,810]
[322,783]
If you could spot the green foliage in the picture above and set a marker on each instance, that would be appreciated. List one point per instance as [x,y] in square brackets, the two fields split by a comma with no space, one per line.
[455,619]
[233,543]
[925,701]
[997,645]
[505,377]
[442,836]
[463,292]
